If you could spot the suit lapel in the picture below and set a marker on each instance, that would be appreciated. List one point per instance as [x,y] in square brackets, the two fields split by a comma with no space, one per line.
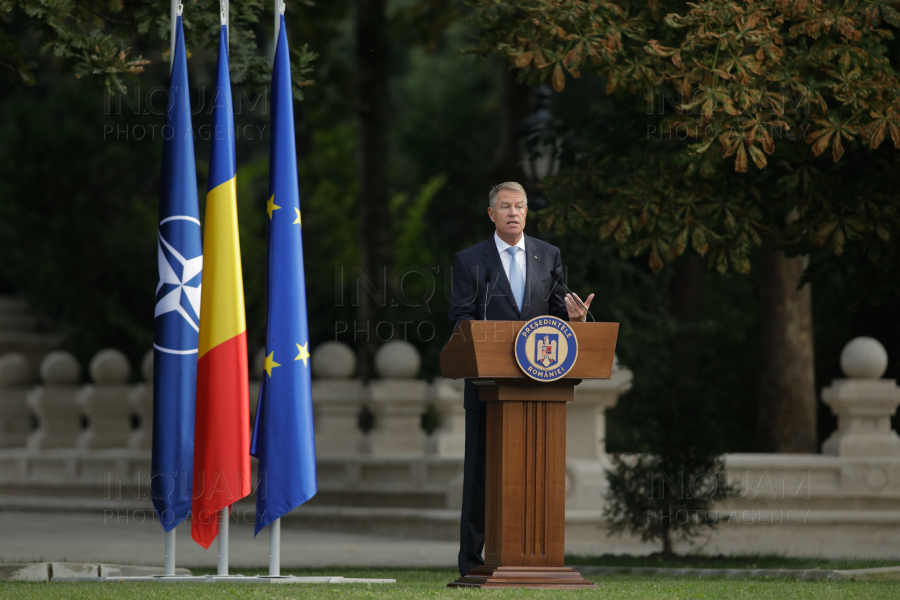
[499,279]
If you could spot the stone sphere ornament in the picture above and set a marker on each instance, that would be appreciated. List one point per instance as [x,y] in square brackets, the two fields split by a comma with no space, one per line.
[14,369]
[397,360]
[333,360]
[110,366]
[864,357]
[60,367]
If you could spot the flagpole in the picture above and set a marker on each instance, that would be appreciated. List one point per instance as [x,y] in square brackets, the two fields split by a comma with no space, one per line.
[223,541]
[223,515]
[275,548]
[279,10]
[173,18]
[223,4]
[170,553]
[176,8]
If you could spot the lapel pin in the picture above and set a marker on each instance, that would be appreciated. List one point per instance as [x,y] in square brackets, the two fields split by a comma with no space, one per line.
[535,255]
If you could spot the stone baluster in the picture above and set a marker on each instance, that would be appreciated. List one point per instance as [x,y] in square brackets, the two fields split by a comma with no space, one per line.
[337,400]
[16,379]
[397,401]
[586,416]
[449,439]
[106,402]
[863,403]
[141,400]
[55,403]
[586,438]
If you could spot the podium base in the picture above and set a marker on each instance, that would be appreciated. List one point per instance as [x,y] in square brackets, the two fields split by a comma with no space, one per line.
[558,578]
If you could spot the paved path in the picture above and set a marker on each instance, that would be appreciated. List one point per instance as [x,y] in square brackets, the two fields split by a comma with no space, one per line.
[94,537]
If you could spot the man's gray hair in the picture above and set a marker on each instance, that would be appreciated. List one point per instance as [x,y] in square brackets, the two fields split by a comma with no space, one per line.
[506,185]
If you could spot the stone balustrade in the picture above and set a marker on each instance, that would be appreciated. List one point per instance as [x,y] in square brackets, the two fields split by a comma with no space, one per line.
[101,414]
[141,400]
[55,403]
[863,402]
[105,402]
[397,402]
[16,378]
[113,412]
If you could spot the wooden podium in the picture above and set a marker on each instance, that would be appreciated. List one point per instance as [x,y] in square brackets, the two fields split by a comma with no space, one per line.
[525,506]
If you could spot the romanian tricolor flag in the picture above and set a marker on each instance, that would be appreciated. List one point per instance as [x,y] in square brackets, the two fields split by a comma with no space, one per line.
[222,425]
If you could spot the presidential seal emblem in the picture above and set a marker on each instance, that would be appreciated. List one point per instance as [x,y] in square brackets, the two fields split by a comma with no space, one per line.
[546,348]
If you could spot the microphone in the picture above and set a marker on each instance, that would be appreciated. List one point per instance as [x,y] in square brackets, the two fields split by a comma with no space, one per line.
[487,289]
[562,283]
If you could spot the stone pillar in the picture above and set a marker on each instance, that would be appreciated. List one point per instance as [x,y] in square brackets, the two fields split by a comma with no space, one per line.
[450,438]
[106,402]
[141,400]
[337,400]
[16,379]
[863,403]
[586,438]
[55,403]
[586,416]
[397,402]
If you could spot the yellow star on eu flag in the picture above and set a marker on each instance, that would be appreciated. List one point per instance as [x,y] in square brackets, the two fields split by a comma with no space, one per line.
[270,363]
[304,353]
[297,222]
[271,206]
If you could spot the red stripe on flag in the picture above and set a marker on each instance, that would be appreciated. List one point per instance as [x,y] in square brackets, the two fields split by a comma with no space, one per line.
[221,436]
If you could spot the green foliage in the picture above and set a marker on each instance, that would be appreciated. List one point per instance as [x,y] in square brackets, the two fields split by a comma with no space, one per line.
[411,240]
[661,498]
[78,219]
[794,87]
[94,40]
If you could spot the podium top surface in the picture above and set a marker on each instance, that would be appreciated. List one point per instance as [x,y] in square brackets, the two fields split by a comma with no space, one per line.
[486,349]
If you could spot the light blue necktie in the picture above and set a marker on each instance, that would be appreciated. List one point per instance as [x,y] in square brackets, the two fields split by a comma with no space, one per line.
[516,278]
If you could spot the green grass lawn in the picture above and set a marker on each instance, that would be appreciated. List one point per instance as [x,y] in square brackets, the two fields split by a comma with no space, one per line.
[430,583]
[750,561]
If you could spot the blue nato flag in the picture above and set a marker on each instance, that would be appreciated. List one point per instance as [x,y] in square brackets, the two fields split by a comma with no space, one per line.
[283,438]
[177,314]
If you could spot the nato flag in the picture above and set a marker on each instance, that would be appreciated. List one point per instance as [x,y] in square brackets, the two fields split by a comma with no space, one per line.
[176,319]
[283,438]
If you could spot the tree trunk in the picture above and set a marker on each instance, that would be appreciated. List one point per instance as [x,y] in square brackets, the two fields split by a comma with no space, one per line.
[516,104]
[373,108]
[686,288]
[787,402]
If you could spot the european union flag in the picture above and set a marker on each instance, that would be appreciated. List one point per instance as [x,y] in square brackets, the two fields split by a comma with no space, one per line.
[176,318]
[283,438]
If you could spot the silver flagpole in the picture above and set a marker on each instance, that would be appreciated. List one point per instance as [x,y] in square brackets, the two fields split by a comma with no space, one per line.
[275,527]
[279,10]
[170,553]
[275,548]
[172,35]
[226,22]
[176,11]
[223,541]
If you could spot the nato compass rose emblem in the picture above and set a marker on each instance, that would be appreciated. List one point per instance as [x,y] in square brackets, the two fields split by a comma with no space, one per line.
[180,258]
[546,348]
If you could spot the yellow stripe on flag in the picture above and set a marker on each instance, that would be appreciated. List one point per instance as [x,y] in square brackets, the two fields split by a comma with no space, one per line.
[222,295]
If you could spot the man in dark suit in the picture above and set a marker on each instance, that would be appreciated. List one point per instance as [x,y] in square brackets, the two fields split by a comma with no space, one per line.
[524,284]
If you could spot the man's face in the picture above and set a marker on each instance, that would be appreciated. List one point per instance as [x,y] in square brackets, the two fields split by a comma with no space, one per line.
[509,213]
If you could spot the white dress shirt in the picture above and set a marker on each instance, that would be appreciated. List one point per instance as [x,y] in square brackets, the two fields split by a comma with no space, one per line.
[505,257]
